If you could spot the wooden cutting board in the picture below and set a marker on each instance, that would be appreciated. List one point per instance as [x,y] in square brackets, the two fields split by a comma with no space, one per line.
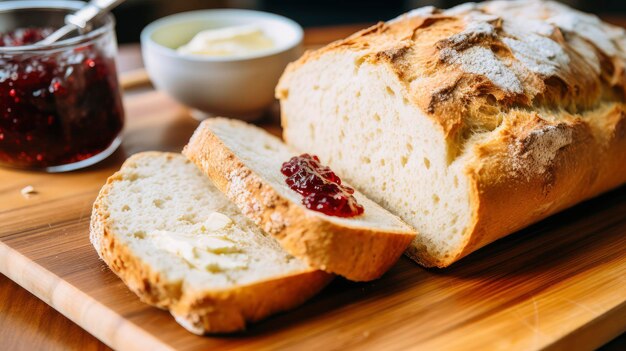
[560,283]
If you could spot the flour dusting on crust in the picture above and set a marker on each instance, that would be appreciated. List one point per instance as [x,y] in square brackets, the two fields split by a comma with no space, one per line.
[528,40]
[527,29]
[478,60]
[536,153]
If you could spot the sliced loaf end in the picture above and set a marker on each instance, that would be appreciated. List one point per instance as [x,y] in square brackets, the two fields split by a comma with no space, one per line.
[179,244]
[244,161]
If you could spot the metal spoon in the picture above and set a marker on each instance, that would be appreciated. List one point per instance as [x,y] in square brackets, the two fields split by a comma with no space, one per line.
[81,19]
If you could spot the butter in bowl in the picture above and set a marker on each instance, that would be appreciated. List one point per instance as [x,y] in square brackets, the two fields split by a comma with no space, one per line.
[229,41]
[221,62]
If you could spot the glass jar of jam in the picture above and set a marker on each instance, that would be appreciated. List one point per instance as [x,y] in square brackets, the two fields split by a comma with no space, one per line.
[60,104]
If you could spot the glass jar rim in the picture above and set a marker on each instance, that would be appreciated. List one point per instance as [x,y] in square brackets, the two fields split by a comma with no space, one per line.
[8,6]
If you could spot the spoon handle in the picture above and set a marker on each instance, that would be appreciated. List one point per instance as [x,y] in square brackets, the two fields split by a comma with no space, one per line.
[81,19]
[92,10]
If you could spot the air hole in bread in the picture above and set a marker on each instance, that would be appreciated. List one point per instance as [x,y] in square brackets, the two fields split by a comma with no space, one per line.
[132,176]
[456,181]
[189,218]
[125,208]
[312,130]
[158,203]
[404,160]
[140,234]
[358,93]
[454,220]
[426,163]
[345,118]
[316,87]
[358,62]
[366,160]
[377,117]
[390,91]
[382,161]
[409,147]
[435,199]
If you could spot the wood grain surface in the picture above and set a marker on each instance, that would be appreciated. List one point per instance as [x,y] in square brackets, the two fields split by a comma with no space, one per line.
[559,283]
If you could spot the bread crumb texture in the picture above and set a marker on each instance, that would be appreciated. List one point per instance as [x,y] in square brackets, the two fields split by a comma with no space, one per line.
[179,244]
[171,215]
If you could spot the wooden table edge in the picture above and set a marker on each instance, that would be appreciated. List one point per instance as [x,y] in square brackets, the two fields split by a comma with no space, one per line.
[111,328]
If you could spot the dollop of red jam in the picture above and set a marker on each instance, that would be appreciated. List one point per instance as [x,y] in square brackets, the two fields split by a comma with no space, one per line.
[320,186]
[56,108]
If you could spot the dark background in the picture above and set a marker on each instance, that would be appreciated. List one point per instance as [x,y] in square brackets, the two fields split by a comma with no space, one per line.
[133,15]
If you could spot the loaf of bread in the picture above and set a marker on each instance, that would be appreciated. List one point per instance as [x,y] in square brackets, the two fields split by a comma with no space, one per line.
[245,163]
[469,123]
[179,244]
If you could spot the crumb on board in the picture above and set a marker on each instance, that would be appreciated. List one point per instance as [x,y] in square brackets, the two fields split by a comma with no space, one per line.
[28,191]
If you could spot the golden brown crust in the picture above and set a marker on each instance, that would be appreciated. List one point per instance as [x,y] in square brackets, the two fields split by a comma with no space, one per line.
[359,254]
[579,103]
[208,311]
[510,192]
[508,199]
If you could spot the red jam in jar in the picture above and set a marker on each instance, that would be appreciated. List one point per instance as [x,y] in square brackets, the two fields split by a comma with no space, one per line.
[60,104]
[320,186]
[24,36]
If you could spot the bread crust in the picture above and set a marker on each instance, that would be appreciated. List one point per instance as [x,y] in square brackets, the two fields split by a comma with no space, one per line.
[507,196]
[358,254]
[200,312]
[582,102]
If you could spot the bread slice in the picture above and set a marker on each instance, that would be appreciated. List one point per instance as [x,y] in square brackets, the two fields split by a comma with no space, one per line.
[179,244]
[244,162]
[469,123]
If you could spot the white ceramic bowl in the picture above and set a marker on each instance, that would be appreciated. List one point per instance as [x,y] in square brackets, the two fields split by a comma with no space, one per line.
[240,87]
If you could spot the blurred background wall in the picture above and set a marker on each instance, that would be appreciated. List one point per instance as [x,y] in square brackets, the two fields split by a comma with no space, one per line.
[133,15]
